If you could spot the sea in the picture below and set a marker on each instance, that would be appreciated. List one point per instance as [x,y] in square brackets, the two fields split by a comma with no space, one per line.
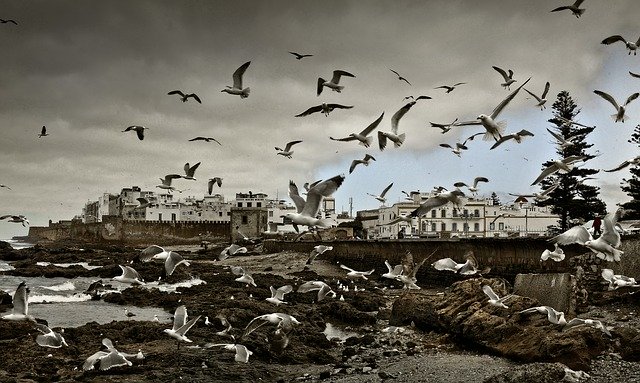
[18,242]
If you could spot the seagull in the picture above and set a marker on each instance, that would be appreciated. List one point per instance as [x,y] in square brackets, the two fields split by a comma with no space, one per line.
[393,135]
[323,289]
[542,196]
[49,338]
[333,84]
[324,108]
[363,136]
[517,137]
[460,146]
[172,261]
[129,275]
[138,129]
[381,197]
[230,250]
[365,161]
[631,45]
[166,182]
[443,127]
[300,56]
[586,322]
[308,210]
[128,314]
[563,142]
[456,197]
[636,75]
[20,302]
[619,115]
[555,317]
[449,88]
[284,325]
[508,78]
[277,295]
[574,8]
[353,274]
[244,277]
[474,188]
[43,132]
[144,203]
[317,250]
[563,166]
[494,300]
[153,252]
[400,77]
[557,254]
[213,181]
[617,280]
[605,247]
[3,21]
[470,267]
[185,97]
[624,164]
[494,129]
[393,272]
[180,325]
[543,98]
[5,186]
[287,152]
[206,139]
[242,352]
[410,270]
[16,219]
[190,171]
[570,122]
[106,359]
[237,89]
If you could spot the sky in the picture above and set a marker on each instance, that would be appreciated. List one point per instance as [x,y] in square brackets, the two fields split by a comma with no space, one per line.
[87,70]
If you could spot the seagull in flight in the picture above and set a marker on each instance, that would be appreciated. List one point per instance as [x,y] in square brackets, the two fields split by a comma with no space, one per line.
[49,338]
[166,182]
[5,186]
[317,250]
[563,166]
[237,89]
[213,181]
[353,274]
[16,219]
[307,210]
[400,77]
[287,152]
[539,197]
[205,139]
[324,108]
[456,197]
[632,46]
[334,83]
[143,203]
[563,142]
[138,129]
[554,316]
[543,98]
[184,96]
[300,56]
[624,164]
[444,127]
[449,88]
[365,161]
[43,132]
[474,188]
[381,198]
[557,254]
[106,359]
[619,115]
[636,75]
[494,299]
[363,137]
[517,137]
[181,326]
[508,78]
[494,129]
[3,21]
[397,139]
[570,122]
[460,146]
[20,302]
[129,275]
[190,171]
[574,8]
[322,288]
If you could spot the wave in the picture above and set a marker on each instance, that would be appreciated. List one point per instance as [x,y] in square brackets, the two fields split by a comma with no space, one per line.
[66,286]
[65,265]
[172,287]
[78,297]
[5,266]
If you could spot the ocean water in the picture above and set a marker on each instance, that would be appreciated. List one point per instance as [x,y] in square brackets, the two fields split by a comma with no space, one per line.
[17,243]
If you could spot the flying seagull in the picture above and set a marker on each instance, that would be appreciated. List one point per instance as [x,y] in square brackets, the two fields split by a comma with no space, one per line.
[16,219]
[138,129]
[180,325]
[494,129]
[470,267]
[563,142]
[322,288]
[242,352]
[542,196]
[517,137]
[363,137]
[410,270]
[474,188]
[308,210]
[460,146]
[287,152]
[631,45]
[283,322]
[213,181]
[3,21]
[570,122]
[317,250]
[365,161]
[543,98]
[20,302]
[586,322]
[190,171]
[185,97]
[143,203]
[172,261]
[353,274]
[244,276]
[617,280]
[574,8]
[392,271]
[324,108]
[129,275]
[444,127]
[206,139]
[237,89]
[230,250]
[166,182]
[400,77]
[449,88]
[397,139]
[624,164]
[381,198]
[277,295]
[619,115]
[508,78]
[153,252]
[554,316]
[456,197]
[563,166]
[300,56]
[106,359]
[5,186]
[636,75]
[43,132]
[494,299]
[334,83]
[49,338]
[557,254]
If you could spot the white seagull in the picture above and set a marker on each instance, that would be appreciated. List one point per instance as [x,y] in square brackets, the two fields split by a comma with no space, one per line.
[561,141]
[138,129]
[620,109]
[494,129]
[444,128]
[277,295]
[353,274]
[190,171]
[474,188]
[153,252]
[508,78]
[49,338]
[334,83]
[408,277]
[542,100]
[244,276]
[230,250]
[563,166]
[180,325]
[129,275]
[172,261]
[106,359]
[470,267]
[632,46]
[287,152]
[144,203]
[166,182]
[392,272]
[517,137]
[557,254]
[16,219]
[365,161]
[363,137]
[554,316]
[456,197]
[317,250]
[20,302]
[324,108]
[237,89]
[242,352]
[617,280]
[397,139]
[381,198]
[494,299]
[574,8]
[586,322]
[624,164]
[322,288]
[308,210]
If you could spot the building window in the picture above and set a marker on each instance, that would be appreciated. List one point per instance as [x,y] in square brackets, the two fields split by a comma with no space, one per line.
[433,226]
[443,226]
[501,226]
[173,217]
[220,214]
[476,213]
[455,212]
[245,219]
[433,213]
[239,204]
[465,227]
[476,227]
[258,204]
[249,204]
[492,226]
[270,213]
[443,213]
[424,226]
[454,226]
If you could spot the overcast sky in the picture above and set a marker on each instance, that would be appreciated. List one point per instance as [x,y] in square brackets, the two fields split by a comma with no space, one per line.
[87,70]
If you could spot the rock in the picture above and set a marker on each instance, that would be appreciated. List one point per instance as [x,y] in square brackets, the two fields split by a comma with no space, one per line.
[629,343]
[5,298]
[531,373]
[325,374]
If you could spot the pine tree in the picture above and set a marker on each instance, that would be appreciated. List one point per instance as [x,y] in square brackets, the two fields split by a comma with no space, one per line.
[572,200]
[632,185]
[495,199]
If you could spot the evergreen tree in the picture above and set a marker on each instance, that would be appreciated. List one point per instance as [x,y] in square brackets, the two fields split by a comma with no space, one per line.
[632,185]
[495,199]
[572,200]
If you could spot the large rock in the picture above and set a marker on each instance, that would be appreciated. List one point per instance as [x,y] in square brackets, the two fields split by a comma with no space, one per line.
[465,313]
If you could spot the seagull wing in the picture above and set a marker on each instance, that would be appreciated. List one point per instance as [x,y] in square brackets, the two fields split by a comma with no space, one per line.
[176,92]
[237,75]
[466,123]
[546,89]
[577,234]
[372,126]
[309,111]
[613,39]
[179,317]
[609,233]
[636,75]
[339,73]
[533,95]
[295,196]
[347,268]
[382,140]
[386,190]
[290,144]
[395,119]
[556,136]
[631,98]
[21,299]
[621,166]
[545,173]
[147,254]
[504,102]
[502,140]
[183,330]
[353,165]
[315,194]
[502,72]
[490,293]
[426,206]
[607,97]
[445,264]
[338,106]
[479,179]
[195,97]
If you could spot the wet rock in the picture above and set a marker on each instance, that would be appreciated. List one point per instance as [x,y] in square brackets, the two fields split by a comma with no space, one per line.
[5,298]
[629,342]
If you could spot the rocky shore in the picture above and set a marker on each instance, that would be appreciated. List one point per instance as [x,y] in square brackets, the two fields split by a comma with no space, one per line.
[383,333]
